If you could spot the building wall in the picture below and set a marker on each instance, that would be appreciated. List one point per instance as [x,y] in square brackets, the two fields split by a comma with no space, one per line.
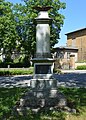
[78,39]
[63,57]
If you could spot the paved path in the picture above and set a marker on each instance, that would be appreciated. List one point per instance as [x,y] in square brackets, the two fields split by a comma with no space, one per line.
[73,71]
[67,79]
[15,81]
[71,79]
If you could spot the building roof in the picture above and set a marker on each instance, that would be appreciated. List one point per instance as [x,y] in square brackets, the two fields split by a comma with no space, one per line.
[76,31]
[66,48]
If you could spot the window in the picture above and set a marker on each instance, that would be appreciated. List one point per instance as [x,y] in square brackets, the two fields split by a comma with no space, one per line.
[68,55]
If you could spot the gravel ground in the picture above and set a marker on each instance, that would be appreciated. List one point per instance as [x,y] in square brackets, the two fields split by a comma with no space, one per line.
[71,79]
[66,79]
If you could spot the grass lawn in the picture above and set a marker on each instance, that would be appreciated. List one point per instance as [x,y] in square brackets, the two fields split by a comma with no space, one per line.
[81,116]
[8,98]
[76,98]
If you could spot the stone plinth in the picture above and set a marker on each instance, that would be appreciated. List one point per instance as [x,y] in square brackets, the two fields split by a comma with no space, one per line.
[43,84]
[43,94]
[43,68]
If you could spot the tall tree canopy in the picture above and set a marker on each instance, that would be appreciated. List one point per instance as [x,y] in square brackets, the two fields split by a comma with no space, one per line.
[8,34]
[17,30]
[25,15]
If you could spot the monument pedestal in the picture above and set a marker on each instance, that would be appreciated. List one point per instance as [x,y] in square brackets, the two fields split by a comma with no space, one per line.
[43,68]
[43,92]
[43,87]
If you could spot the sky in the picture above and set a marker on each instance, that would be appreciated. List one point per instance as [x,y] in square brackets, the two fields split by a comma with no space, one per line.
[75,17]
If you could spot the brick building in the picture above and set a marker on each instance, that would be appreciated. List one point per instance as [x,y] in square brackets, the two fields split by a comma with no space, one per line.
[77,39]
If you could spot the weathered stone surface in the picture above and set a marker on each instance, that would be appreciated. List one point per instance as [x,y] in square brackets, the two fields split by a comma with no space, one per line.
[42,34]
[43,38]
[43,94]
[39,84]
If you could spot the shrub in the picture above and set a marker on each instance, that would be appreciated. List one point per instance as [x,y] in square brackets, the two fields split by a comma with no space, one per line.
[57,71]
[16,72]
[82,67]
[14,65]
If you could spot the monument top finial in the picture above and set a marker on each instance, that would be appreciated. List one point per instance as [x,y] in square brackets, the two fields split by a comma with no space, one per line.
[43,8]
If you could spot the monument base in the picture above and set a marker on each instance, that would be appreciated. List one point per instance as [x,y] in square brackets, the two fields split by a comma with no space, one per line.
[43,94]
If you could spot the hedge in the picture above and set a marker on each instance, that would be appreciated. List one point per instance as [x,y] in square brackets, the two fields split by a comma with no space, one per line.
[16,72]
[82,67]
[14,65]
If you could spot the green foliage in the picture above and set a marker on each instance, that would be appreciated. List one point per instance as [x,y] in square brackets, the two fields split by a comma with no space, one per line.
[18,62]
[16,72]
[8,98]
[25,14]
[82,67]
[58,71]
[76,97]
[17,29]
[81,61]
[8,34]
[43,115]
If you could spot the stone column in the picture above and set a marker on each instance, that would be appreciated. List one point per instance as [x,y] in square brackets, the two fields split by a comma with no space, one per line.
[42,33]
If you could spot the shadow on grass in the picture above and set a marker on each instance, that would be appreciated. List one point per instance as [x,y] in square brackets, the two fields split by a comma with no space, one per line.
[76,98]
[8,98]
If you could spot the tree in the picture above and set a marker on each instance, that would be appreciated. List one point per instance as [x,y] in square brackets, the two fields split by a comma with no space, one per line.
[17,30]
[8,34]
[24,16]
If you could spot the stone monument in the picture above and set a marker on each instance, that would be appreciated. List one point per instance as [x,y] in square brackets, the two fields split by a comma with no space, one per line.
[42,83]
[43,91]
[43,63]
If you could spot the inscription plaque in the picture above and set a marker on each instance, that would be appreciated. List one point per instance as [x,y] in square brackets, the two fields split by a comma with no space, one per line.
[43,69]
